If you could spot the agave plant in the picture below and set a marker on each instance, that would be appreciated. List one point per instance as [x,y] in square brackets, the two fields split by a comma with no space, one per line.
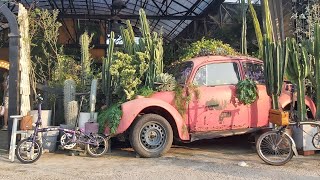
[166,82]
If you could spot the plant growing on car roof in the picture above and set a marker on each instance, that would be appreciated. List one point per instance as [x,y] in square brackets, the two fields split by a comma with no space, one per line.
[207,47]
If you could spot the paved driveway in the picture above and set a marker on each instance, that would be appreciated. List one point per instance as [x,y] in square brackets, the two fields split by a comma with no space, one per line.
[216,159]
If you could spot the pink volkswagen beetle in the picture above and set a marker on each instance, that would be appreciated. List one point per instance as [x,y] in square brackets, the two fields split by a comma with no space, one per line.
[152,123]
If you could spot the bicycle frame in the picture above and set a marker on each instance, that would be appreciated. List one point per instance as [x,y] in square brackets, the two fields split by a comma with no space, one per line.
[38,130]
[293,146]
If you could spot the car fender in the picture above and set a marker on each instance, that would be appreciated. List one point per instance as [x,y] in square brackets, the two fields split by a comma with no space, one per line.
[285,100]
[133,108]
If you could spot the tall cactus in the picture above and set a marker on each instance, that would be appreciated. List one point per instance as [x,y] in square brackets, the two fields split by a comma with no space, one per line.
[274,56]
[244,27]
[72,113]
[93,98]
[153,45]
[69,95]
[150,44]
[257,28]
[267,21]
[297,70]
[316,51]
[129,44]
[106,76]
[85,41]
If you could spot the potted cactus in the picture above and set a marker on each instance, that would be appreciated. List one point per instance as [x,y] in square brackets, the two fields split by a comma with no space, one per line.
[71,107]
[86,80]
[303,138]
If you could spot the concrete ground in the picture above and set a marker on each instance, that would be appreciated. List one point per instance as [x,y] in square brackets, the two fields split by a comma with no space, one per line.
[214,159]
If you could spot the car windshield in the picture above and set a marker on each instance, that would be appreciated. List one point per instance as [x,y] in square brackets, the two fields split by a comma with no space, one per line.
[181,71]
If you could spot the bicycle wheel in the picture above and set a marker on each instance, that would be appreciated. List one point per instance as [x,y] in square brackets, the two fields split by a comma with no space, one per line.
[66,141]
[274,148]
[98,146]
[28,152]
[316,140]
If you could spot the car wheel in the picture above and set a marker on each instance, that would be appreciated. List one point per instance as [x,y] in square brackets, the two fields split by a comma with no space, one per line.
[151,136]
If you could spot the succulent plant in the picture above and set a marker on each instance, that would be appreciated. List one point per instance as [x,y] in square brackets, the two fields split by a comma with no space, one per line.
[166,82]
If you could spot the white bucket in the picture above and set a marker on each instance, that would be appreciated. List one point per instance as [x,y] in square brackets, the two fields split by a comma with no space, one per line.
[45,117]
[85,117]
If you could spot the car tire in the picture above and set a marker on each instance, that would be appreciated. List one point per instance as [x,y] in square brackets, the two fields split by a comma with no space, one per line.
[151,136]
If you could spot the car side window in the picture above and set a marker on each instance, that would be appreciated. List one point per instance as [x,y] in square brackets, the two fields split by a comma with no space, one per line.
[217,74]
[254,71]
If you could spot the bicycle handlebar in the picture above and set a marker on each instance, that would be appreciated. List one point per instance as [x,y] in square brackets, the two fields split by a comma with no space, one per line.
[305,123]
[39,98]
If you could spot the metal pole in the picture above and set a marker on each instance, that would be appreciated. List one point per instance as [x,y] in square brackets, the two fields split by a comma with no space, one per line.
[14,36]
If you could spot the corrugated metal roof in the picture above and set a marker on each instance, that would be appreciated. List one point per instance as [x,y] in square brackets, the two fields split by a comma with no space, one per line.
[163,12]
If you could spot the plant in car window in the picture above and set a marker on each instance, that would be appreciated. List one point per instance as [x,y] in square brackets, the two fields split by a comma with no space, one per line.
[247,92]
[166,82]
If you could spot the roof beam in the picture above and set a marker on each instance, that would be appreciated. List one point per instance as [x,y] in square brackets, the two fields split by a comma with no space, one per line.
[108,17]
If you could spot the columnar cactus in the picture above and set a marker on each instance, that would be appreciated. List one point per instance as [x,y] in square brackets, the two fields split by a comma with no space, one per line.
[69,95]
[128,38]
[267,22]
[153,45]
[93,98]
[257,28]
[316,54]
[106,76]
[244,27]
[72,113]
[274,56]
[297,70]
[85,41]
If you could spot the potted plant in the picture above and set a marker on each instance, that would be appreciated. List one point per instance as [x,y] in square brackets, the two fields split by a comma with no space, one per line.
[87,113]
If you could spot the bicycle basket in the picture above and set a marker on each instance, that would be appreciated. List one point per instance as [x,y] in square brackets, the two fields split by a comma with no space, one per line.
[278,117]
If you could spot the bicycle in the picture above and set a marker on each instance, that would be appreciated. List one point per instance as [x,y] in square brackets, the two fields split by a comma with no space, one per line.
[277,147]
[29,150]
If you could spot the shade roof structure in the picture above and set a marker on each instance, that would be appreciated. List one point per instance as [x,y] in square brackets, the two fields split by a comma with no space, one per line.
[170,15]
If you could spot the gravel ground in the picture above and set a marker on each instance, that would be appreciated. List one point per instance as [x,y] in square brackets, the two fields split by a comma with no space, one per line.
[215,159]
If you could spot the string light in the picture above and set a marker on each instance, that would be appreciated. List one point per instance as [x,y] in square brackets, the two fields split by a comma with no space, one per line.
[4,64]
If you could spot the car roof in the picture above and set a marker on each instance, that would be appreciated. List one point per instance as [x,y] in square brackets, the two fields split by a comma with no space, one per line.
[204,59]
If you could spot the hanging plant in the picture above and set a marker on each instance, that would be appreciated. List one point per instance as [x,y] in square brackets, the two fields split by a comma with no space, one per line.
[181,100]
[247,92]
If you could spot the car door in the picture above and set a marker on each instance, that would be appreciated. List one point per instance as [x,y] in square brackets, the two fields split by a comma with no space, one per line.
[216,107]
[259,109]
